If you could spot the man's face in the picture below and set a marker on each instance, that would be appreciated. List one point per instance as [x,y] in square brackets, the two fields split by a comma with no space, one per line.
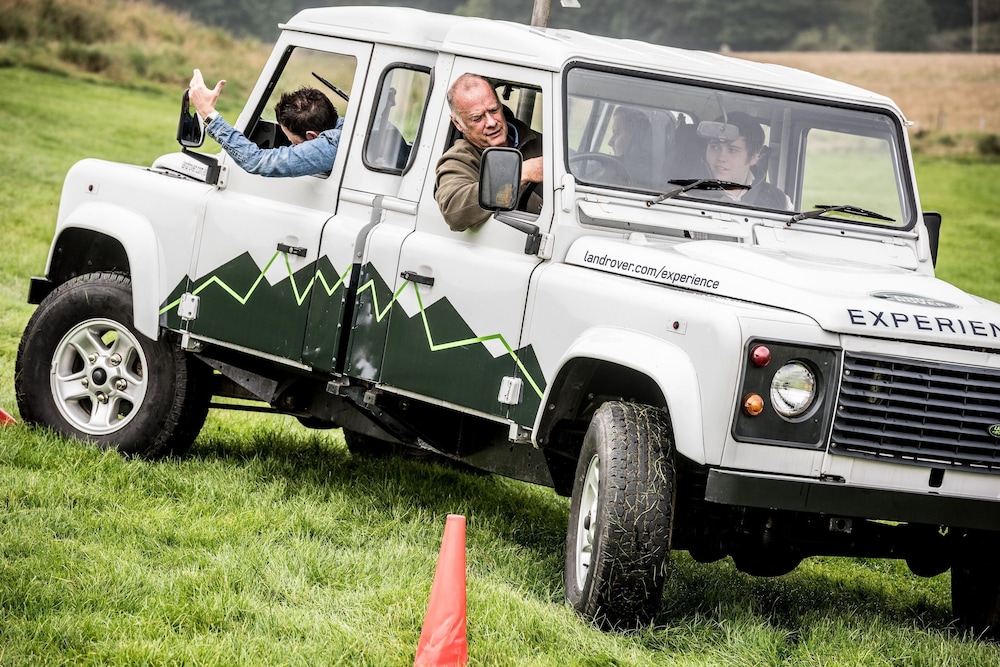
[479,116]
[729,160]
[619,137]
[297,139]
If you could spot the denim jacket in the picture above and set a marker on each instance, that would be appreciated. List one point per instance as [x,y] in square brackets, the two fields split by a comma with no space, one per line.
[315,156]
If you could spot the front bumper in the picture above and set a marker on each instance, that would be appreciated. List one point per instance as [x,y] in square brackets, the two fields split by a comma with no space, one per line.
[819,496]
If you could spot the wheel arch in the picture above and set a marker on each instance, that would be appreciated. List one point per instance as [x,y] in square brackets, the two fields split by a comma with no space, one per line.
[606,363]
[102,237]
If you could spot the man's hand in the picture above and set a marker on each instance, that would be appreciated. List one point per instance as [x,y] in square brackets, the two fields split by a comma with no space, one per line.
[202,97]
[531,171]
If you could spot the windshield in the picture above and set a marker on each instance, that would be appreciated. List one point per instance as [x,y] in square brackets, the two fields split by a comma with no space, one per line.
[681,141]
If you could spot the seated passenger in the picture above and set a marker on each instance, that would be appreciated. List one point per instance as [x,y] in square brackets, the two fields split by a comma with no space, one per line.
[477,113]
[732,161]
[306,117]
[632,142]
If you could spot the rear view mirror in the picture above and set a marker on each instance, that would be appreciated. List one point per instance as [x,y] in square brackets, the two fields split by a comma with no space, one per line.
[500,179]
[719,131]
[190,131]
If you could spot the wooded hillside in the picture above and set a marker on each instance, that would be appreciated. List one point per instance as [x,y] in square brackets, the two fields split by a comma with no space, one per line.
[745,25]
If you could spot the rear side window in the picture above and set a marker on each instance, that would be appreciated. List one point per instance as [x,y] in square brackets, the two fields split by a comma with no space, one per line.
[398,118]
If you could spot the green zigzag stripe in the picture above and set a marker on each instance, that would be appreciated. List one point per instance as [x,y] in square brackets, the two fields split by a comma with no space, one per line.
[299,297]
[379,314]
[435,347]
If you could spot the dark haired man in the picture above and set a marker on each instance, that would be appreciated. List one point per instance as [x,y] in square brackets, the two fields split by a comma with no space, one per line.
[732,161]
[306,117]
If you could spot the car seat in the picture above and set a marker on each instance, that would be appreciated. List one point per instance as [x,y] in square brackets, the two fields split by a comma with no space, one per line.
[687,155]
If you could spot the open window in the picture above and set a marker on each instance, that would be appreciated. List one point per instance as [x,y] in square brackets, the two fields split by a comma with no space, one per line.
[519,101]
[331,73]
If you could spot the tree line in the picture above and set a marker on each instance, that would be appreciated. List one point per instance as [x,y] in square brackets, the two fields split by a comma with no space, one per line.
[740,25]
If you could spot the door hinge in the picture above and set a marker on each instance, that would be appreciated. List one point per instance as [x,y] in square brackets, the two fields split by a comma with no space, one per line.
[189,306]
[511,390]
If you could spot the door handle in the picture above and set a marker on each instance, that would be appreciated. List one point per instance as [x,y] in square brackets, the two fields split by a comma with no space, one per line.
[417,278]
[292,249]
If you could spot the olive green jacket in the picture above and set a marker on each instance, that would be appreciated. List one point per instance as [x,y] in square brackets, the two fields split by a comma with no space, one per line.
[457,186]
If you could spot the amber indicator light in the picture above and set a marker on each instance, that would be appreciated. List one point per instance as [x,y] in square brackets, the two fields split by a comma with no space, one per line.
[753,404]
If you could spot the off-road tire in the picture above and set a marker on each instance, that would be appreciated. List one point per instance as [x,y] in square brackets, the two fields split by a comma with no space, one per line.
[621,516]
[84,371]
[975,584]
[370,447]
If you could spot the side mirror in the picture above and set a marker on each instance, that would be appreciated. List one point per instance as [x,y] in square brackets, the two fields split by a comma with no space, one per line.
[500,179]
[190,132]
[932,221]
[499,189]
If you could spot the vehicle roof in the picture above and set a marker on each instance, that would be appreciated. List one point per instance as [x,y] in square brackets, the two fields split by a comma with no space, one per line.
[551,49]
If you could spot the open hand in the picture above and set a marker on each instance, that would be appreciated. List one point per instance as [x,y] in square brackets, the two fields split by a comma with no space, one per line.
[202,97]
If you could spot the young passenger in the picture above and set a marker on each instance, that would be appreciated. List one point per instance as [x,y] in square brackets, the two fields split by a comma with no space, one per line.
[732,161]
[306,117]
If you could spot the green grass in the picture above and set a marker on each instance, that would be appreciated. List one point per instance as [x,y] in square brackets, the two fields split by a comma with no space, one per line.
[964,192]
[271,545]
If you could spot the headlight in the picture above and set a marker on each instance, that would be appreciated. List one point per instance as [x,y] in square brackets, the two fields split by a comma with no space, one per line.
[788,393]
[793,389]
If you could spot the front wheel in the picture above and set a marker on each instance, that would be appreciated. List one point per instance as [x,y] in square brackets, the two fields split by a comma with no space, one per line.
[84,371]
[621,516]
[975,584]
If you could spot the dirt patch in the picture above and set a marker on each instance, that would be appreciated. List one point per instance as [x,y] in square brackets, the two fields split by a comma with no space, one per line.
[940,92]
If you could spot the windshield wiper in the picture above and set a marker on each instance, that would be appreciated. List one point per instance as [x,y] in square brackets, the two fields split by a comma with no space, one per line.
[696,184]
[823,209]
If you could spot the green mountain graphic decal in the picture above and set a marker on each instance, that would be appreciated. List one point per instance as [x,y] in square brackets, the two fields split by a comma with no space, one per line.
[239,306]
[433,352]
[242,299]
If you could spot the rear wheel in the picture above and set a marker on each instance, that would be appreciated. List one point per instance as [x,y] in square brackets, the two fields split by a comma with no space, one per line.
[84,371]
[621,516]
[975,584]
[367,446]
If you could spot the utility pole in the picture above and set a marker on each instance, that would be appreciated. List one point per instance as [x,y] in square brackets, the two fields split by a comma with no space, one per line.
[540,12]
[539,19]
[975,26]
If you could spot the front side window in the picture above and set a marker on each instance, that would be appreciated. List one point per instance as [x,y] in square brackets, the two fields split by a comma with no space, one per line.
[330,73]
[694,142]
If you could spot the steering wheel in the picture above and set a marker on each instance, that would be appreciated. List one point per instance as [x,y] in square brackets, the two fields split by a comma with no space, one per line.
[603,168]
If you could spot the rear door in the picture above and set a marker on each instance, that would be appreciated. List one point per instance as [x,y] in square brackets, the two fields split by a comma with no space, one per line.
[379,198]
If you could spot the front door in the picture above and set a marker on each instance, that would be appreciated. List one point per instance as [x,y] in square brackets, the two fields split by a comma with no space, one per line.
[259,262]
[453,305]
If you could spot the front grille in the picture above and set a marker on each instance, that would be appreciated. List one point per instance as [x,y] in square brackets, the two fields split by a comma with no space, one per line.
[924,413]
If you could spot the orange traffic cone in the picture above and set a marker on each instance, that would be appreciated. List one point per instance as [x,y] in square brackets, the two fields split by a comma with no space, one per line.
[6,419]
[442,641]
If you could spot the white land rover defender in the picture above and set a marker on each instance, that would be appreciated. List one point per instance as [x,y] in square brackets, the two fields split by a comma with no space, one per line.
[765,378]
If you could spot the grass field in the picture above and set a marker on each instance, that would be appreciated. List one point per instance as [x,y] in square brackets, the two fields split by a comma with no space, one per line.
[950,92]
[271,545]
